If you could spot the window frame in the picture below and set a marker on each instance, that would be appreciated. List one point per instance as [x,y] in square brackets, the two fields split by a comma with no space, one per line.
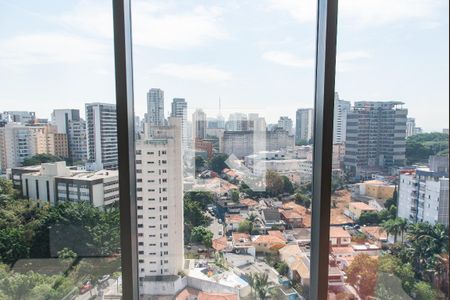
[323,145]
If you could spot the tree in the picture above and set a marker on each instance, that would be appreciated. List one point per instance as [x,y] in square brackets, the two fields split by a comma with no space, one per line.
[424,291]
[274,184]
[40,159]
[245,226]
[218,162]
[262,285]
[199,164]
[362,274]
[200,197]
[282,268]
[419,147]
[369,218]
[307,203]
[288,187]
[235,196]
[203,235]
[6,187]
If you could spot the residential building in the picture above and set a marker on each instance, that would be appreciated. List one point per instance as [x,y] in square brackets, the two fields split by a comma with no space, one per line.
[17,142]
[160,209]
[374,189]
[356,209]
[410,127]
[238,122]
[341,109]
[101,120]
[338,156]
[22,117]
[56,183]
[200,124]
[68,122]
[239,143]
[286,124]
[304,129]
[423,196]
[155,107]
[339,237]
[277,139]
[179,110]
[376,138]
[438,163]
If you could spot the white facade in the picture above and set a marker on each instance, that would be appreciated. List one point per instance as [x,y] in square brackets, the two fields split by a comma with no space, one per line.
[341,109]
[55,183]
[23,117]
[17,142]
[101,120]
[423,197]
[160,206]
[410,127]
[287,124]
[179,110]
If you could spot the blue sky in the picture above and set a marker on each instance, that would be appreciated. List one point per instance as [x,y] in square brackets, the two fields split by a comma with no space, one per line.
[256,55]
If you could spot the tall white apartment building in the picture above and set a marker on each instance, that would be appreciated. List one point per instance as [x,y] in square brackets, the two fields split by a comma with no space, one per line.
[287,124]
[17,142]
[410,127]
[304,128]
[155,107]
[68,122]
[160,210]
[341,109]
[239,122]
[101,120]
[423,197]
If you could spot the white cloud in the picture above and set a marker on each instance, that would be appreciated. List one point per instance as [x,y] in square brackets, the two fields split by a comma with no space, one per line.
[365,12]
[154,24]
[201,73]
[287,59]
[38,49]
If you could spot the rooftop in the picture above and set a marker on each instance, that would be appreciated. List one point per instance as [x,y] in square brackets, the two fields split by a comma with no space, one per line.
[362,206]
[339,232]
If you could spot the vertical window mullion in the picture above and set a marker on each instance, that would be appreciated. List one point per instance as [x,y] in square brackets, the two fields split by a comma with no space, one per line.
[323,146]
[126,147]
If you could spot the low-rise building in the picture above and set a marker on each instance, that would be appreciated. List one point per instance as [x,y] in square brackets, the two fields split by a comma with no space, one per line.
[56,183]
[292,218]
[356,209]
[339,237]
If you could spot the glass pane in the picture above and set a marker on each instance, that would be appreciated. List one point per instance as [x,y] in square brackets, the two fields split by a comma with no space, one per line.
[224,94]
[59,221]
[389,218]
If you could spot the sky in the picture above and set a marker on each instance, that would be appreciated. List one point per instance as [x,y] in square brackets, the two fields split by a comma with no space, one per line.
[254,55]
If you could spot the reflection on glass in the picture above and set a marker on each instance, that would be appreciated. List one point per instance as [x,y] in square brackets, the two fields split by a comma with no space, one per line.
[389,216]
[224,159]
[59,228]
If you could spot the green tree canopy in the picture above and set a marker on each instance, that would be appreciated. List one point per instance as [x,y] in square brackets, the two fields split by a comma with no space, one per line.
[217,163]
[40,159]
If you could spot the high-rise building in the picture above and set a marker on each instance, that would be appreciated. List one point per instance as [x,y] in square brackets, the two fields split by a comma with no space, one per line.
[278,139]
[200,124]
[376,137]
[238,122]
[341,109]
[179,110]
[23,117]
[68,121]
[101,119]
[410,127]
[423,197]
[155,107]
[17,142]
[286,124]
[304,128]
[160,209]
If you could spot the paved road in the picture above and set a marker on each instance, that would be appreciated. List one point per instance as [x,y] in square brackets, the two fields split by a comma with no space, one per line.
[113,288]
[215,227]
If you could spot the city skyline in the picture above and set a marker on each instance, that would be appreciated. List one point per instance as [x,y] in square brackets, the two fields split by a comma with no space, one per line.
[267,55]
